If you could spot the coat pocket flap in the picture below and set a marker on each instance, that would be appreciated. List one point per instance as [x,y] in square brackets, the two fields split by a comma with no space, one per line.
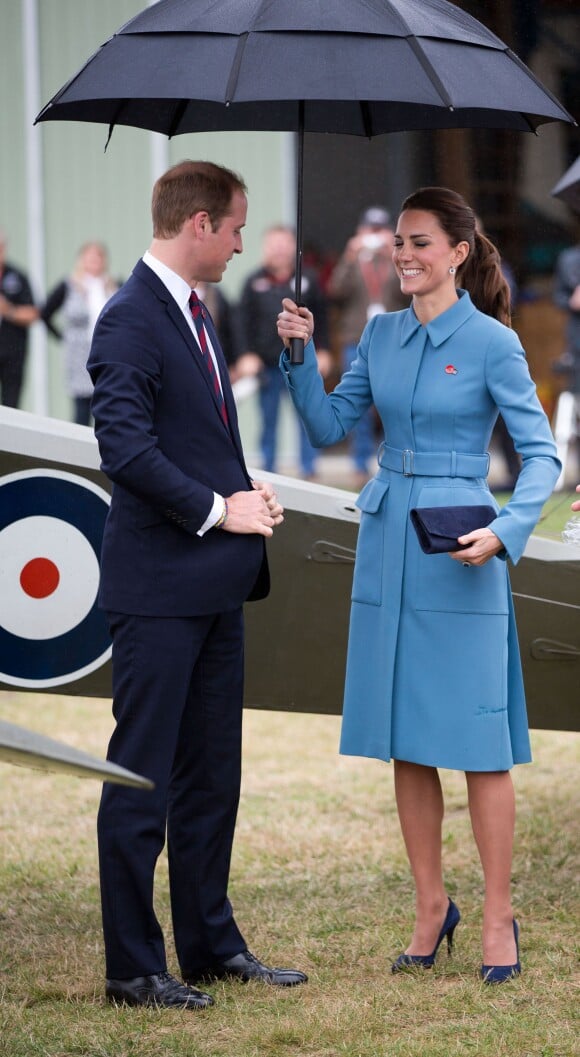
[372,496]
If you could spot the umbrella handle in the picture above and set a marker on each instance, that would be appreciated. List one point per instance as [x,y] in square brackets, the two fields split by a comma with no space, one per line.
[296,350]
[297,344]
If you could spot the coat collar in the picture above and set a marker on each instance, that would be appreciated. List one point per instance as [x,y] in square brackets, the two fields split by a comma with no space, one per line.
[444,325]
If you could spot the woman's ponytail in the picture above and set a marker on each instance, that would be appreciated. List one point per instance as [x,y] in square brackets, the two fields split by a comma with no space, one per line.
[482,277]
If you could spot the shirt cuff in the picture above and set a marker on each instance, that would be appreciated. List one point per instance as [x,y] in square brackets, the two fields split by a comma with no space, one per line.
[214,514]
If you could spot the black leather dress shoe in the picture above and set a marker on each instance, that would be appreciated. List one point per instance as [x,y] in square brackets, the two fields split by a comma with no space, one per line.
[161,990]
[244,967]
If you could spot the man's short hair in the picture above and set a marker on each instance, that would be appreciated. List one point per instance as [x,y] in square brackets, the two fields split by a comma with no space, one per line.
[192,187]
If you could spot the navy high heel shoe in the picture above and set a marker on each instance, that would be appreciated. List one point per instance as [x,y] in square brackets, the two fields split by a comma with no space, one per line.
[498,974]
[427,961]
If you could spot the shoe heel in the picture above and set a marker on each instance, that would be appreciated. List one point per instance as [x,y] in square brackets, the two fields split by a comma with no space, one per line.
[499,974]
[426,961]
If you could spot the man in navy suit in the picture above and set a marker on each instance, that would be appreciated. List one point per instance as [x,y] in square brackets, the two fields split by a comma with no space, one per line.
[183,549]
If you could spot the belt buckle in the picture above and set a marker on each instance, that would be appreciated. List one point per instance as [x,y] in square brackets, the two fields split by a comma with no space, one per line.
[408,461]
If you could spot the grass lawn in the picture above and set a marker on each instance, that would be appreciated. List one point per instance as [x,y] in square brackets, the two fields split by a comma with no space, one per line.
[319,881]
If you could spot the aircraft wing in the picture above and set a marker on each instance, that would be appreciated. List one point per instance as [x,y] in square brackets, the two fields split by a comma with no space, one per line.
[30,749]
[53,492]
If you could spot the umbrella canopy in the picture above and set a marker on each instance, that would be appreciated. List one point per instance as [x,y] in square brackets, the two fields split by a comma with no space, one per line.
[365,67]
[568,186]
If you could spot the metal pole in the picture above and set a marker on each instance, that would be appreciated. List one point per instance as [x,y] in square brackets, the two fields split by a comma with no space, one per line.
[34,199]
[297,344]
[159,155]
[159,145]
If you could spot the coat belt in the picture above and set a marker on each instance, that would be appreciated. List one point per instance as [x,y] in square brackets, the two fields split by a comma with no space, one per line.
[433,463]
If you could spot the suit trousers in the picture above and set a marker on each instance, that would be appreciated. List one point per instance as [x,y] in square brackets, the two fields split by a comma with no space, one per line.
[177,701]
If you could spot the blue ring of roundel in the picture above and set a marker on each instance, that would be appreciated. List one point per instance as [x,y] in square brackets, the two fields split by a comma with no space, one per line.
[66,654]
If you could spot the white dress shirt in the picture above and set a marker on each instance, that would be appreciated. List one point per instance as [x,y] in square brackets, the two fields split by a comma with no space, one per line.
[180,292]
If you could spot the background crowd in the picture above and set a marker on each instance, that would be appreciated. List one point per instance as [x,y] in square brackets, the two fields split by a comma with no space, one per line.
[343,292]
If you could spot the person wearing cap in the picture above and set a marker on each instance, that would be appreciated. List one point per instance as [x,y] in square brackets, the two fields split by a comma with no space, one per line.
[363,284]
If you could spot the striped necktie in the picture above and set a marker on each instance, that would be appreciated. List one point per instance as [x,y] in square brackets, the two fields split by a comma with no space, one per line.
[198,314]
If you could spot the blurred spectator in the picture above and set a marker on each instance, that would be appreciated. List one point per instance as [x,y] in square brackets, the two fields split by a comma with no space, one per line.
[17,312]
[80,299]
[363,284]
[260,304]
[567,296]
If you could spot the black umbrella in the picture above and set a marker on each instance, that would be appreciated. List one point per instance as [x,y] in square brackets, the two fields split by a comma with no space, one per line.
[363,67]
[568,186]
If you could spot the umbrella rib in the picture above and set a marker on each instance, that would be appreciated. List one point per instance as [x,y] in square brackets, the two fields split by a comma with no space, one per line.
[235,70]
[518,62]
[177,116]
[429,70]
[114,120]
[367,120]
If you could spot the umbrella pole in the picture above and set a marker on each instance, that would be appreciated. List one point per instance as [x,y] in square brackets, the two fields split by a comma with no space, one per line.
[297,344]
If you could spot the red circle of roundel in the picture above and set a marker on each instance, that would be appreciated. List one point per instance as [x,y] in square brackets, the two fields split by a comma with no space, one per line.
[39,578]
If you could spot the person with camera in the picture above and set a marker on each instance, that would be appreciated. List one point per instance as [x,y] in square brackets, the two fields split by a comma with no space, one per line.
[261,295]
[363,284]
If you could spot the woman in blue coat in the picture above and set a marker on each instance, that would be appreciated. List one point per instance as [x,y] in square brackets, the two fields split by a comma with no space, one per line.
[433,670]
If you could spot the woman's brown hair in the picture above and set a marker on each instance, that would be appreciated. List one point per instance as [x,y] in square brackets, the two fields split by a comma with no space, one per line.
[480,274]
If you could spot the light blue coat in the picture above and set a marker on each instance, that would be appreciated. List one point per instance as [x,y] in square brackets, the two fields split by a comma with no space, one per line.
[433,668]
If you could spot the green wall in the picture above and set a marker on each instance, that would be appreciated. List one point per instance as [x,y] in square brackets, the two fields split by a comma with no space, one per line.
[92,194]
[12,162]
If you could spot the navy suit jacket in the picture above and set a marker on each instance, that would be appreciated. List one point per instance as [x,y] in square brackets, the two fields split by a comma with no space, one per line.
[166,449]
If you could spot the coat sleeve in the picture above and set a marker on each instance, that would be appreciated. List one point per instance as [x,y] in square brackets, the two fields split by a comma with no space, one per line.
[329,417]
[513,391]
[126,368]
[53,303]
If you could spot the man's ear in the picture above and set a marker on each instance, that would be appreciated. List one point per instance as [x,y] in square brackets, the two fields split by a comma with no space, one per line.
[201,223]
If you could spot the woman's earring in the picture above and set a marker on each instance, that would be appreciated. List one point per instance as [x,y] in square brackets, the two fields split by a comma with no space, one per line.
[452,270]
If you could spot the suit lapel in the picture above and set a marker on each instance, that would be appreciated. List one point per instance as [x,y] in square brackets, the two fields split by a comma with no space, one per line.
[177,318]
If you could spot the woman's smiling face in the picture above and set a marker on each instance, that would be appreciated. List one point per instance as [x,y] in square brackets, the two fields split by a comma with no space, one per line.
[423,255]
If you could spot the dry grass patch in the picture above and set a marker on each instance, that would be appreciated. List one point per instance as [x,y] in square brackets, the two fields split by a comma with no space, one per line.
[319,880]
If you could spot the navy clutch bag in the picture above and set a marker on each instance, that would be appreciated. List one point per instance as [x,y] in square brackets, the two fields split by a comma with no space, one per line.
[438,527]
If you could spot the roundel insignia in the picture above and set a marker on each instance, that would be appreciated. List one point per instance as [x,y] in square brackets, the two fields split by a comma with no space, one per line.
[51,528]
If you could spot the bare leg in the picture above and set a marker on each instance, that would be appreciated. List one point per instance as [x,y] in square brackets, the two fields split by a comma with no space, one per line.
[492,810]
[420,806]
